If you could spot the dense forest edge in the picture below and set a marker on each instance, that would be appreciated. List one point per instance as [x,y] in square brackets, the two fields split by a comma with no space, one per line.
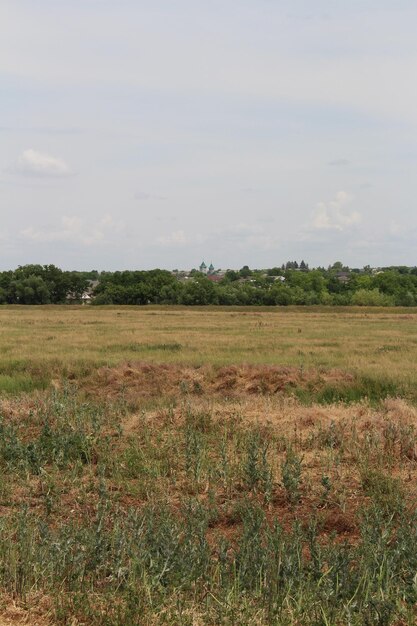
[290,284]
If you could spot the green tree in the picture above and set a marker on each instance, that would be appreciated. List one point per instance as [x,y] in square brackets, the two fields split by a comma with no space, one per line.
[245,272]
[199,291]
[231,276]
[30,290]
[371,297]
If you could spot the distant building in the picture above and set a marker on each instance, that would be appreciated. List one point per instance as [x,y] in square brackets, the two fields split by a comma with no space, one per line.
[343,277]
[87,296]
[209,271]
[215,278]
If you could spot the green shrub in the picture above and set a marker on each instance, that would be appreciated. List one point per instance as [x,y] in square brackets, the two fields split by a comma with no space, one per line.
[291,470]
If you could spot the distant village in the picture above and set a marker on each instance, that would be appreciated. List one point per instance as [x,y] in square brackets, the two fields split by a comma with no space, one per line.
[291,283]
[217,275]
[264,279]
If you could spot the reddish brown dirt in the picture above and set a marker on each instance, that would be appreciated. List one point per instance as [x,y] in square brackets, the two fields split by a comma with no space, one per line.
[15,614]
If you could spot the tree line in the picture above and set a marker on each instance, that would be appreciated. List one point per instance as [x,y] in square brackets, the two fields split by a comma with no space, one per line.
[289,284]
[43,284]
[285,285]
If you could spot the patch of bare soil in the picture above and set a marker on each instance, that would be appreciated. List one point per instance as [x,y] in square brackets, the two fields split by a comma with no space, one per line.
[13,613]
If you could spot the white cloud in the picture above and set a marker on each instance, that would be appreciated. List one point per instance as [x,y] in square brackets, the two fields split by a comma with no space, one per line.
[244,236]
[395,228]
[251,235]
[176,238]
[75,230]
[239,237]
[339,162]
[33,163]
[332,215]
[143,195]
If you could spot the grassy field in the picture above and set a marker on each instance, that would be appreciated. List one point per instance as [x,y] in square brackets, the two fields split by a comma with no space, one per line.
[208,466]
[39,343]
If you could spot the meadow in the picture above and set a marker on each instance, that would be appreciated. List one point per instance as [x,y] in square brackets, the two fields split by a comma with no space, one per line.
[193,466]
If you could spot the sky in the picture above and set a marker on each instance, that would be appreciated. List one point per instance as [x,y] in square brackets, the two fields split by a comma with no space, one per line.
[140,134]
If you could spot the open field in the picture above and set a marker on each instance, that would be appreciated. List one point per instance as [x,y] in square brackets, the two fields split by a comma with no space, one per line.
[208,466]
[40,343]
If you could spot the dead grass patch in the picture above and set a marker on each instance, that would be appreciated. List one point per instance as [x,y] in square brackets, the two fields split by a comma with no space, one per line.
[141,380]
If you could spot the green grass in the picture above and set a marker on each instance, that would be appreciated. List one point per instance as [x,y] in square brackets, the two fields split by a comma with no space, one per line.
[20,383]
[360,388]
[144,348]
[127,571]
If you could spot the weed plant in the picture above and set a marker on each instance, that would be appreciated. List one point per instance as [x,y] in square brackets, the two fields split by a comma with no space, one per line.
[186,518]
[291,476]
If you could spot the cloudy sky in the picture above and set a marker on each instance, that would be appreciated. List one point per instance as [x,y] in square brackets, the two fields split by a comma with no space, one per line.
[139,134]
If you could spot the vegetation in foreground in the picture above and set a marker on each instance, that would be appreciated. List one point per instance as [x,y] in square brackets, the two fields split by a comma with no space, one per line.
[253,510]
[179,493]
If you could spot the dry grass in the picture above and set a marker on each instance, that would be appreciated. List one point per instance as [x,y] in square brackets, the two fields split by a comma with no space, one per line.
[41,343]
[136,380]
